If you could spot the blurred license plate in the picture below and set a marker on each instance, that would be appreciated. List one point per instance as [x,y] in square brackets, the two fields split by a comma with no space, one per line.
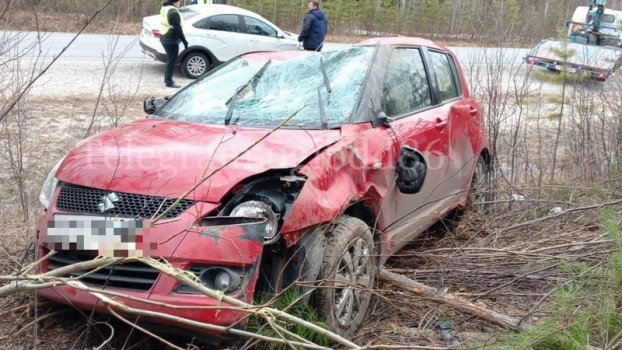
[103,234]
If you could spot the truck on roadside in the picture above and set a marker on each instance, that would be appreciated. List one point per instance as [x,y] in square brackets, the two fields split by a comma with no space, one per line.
[592,46]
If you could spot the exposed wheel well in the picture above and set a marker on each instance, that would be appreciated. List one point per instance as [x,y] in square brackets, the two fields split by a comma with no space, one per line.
[361,210]
[487,156]
[281,265]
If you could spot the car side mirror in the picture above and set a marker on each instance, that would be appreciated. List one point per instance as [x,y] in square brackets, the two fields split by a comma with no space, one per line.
[280,36]
[411,170]
[381,119]
[151,104]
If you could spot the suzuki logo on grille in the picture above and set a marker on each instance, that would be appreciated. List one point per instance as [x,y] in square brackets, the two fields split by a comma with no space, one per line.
[107,202]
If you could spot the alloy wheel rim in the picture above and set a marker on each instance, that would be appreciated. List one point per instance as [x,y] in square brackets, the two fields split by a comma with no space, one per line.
[352,282]
[196,65]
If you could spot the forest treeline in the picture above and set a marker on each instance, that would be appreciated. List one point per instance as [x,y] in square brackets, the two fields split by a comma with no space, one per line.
[481,21]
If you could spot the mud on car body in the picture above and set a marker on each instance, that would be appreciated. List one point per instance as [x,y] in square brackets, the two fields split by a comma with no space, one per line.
[373,144]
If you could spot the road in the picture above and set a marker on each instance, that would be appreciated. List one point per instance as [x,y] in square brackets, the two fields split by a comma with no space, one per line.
[88,47]
[81,68]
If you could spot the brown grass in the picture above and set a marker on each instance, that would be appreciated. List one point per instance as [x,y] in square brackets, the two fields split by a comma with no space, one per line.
[70,23]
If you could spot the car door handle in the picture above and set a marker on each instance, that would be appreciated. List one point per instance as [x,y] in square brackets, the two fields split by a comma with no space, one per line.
[441,124]
[474,112]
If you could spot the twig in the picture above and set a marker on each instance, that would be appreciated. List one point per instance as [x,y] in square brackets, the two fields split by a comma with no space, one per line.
[207,326]
[537,304]
[572,245]
[278,329]
[7,4]
[101,346]
[39,261]
[247,307]
[16,286]
[58,312]
[568,211]
[21,94]
[51,279]
[133,325]
[459,303]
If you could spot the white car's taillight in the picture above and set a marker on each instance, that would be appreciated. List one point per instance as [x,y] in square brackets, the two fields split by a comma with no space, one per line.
[156,33]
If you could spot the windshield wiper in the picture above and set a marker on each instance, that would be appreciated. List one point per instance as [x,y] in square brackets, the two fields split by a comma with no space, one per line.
[325,75]
[234,98]
[322,111]
[319,95]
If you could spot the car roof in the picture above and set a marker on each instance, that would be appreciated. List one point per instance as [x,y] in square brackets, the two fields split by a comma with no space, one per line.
[382,41]
[402,40]
[221,9]
[262,56]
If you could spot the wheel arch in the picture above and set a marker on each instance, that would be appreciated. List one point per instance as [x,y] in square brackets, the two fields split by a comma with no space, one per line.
[487,156]
[361,210]
[192,49]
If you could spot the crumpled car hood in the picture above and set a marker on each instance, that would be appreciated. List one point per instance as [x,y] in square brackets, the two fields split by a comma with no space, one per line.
[166,158]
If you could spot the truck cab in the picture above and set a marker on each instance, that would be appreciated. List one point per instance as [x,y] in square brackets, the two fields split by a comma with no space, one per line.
[608,34]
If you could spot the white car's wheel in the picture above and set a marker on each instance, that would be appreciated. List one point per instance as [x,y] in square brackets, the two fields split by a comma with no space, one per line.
[195,64]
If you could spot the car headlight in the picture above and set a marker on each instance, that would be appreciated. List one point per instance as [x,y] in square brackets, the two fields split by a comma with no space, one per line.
[257,209]
[223,281]
[47,191]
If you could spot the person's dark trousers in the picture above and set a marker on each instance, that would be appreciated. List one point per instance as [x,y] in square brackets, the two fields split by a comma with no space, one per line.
[319,49]
[172,51]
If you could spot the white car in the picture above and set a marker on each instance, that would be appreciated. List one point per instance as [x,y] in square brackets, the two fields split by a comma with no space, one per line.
[215,34]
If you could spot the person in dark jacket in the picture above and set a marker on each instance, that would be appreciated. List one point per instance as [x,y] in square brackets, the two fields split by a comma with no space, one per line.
[171,35]
[314,28]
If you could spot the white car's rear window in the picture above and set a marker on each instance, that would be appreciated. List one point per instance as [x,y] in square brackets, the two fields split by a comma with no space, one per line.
[187,13]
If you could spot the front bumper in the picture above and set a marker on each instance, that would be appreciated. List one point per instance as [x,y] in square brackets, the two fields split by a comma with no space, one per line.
[189,241]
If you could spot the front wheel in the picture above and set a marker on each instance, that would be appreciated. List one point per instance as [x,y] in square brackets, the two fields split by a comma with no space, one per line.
[347,276]
[195,64]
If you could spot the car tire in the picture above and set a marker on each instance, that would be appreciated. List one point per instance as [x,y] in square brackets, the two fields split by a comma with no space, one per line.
[347,276]
[195,64]
[479,192]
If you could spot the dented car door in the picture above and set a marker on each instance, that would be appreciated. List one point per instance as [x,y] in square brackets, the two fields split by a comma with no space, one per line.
[421,127]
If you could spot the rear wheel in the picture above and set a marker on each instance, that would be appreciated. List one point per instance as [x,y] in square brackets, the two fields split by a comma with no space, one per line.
[347,276]
[479,193]
[195,64]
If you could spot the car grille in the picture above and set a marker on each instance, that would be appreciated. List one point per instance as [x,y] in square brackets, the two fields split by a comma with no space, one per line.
[85,200]
[133,275]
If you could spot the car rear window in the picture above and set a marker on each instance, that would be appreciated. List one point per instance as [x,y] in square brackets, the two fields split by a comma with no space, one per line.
[225,23]
[187,13]
[276,92]
[447,86]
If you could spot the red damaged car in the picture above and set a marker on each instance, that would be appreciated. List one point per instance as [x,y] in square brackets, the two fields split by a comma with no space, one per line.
[276,168]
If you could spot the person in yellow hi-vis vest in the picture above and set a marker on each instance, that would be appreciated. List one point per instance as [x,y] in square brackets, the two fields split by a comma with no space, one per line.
[171,35]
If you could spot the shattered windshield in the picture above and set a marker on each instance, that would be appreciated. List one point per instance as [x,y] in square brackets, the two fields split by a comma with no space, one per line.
[266,92]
